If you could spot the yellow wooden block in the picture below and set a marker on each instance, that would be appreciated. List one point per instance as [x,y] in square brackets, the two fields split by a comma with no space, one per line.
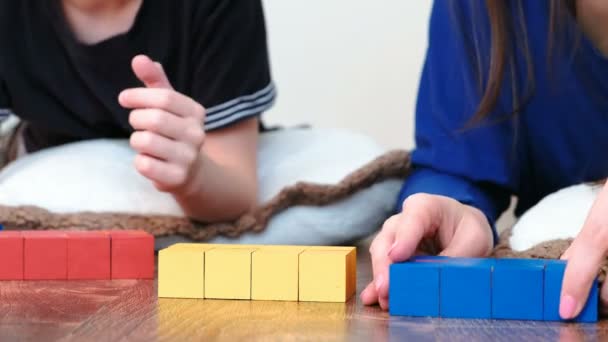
[216,245]
[228,273]
[274,273]
[327,274]
[181,273]
[193,246]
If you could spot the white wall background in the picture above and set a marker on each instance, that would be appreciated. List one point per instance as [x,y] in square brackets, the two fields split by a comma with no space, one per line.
[348,63]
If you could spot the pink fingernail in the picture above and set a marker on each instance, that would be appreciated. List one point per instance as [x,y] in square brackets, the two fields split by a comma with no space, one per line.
[379,283]
[391,249]
[567,308]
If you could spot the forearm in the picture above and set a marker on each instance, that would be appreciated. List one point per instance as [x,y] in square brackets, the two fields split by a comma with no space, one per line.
[218,192]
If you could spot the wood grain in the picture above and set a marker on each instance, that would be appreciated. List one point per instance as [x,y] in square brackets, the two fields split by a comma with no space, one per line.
[129,311]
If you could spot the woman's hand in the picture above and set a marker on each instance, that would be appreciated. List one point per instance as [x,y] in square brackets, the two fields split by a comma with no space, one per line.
[585,257]
[460,230]
[169,129]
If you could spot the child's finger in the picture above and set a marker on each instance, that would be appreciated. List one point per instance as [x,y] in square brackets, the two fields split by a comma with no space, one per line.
[168,100]
[162,148]
[157,121]
[150,73]
[153,145]
[166,176]
[168,125]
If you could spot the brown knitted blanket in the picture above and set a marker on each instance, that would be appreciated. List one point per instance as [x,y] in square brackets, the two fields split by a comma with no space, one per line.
[394,164]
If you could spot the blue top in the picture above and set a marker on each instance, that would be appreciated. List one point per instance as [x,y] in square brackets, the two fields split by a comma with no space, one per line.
[559,139]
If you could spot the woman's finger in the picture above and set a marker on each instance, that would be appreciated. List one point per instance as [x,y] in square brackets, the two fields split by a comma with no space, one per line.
[369,296]
[379,251]
[423,216]
[585,257]
[472,238]
[581,271]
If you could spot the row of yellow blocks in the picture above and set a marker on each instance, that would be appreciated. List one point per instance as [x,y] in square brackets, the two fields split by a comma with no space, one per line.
[287,273]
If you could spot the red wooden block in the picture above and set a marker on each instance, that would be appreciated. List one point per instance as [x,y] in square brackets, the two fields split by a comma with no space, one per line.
[45,255]
[88,255]
[132,255]
[11,255]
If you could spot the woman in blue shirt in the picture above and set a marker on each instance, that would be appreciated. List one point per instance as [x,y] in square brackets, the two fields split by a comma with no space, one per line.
[513,100]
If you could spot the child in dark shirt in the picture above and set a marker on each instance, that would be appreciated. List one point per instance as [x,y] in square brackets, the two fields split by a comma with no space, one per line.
[185,81]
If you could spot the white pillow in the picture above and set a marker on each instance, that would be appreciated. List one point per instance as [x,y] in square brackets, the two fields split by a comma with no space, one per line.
[560,215]
[99,176]
[93,176]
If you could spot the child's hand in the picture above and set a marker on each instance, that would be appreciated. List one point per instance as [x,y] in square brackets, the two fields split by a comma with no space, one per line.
[585,257]
[169,129]
[460,230]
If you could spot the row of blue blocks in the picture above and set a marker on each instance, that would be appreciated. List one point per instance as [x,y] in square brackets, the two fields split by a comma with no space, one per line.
[517,289]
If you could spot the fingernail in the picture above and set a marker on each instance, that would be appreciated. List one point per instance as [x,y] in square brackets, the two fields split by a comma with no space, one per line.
[567,308]
[379,283]
[391,249]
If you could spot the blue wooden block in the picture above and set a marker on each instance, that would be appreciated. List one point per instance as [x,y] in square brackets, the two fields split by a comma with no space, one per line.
[590,311]
[554,275]
[1,227]
[414,289]
[429,258]
[466,288]
[517,289]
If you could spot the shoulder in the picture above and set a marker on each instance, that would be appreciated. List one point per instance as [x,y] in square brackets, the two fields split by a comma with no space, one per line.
[210,9]
[478,9]
[201,17]
[475,15]
[467,26]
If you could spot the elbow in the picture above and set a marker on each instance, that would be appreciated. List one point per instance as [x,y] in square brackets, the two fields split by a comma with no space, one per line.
[247,199]
[244,201]
[224,207]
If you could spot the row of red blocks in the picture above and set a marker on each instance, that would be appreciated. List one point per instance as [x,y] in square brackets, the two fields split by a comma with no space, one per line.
[76,255]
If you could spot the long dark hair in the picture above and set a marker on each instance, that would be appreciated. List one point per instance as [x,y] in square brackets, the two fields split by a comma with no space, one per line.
[509,34]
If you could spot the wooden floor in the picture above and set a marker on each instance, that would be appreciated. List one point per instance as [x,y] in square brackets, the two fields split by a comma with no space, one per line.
[129,310]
